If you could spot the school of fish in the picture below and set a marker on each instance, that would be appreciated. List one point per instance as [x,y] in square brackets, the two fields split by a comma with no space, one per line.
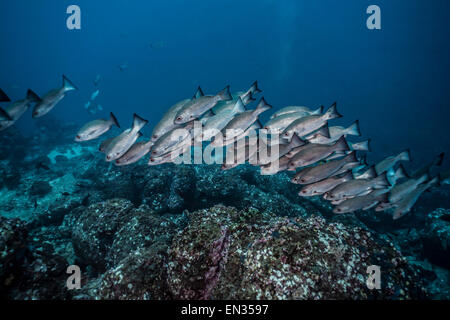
[296,138]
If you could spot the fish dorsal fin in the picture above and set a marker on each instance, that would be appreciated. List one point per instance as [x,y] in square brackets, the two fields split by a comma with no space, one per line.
[199,93]
[239,107]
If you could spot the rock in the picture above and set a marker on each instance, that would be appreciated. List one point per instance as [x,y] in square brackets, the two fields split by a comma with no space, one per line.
[40,188]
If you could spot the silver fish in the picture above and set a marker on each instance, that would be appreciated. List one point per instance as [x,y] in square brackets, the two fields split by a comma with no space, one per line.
[306,125]
[325,185]
[218,122]
[95,94]
[362,202]
[51,99]
[17,109]
[305,111]
[357,187]
[278,124]
[405,205]
[244,120]
[276,166]
[437,162]
[335,133]
[322,171]
[167,123]
[105,144]
[135,153]
[96,128]
[170,140]
[391,161]
[399,191]
[117,147]
[246,97]
[316,153]
[197,107]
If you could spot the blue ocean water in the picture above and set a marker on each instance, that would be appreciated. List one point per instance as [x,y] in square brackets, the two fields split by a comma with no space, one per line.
[395,81]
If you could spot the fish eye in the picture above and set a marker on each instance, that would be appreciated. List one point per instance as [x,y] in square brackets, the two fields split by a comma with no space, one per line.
[108,157]
[302,180]
[152,160]
[179,118]
[338,209]
[303,191]
[192,117]
[155,136]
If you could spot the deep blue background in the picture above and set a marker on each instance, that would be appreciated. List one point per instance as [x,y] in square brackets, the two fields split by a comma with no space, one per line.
[394,80]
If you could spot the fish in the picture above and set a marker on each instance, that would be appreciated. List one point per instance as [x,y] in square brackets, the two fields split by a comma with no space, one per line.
[215,124]
[244,120]
[276,166]
[170,140]
[160,160]
[94,129]
[368,174]
[320,187]
[305,111]
[241,154]
[97,80]
[94,94]
[123,66]
[437,162]
[445,177]
[4,97]
[195,108]
[358,146]
[18,108]
[362,202]
[389,162]
[93,108]
[51,99]
[322,171]
[357,187]
[405,205]
[120,144]
[135,153]
[219,140]
[306,125]
[335,133]
[246,97]
[104,145]
[316,152]
[399,191]
[278,124]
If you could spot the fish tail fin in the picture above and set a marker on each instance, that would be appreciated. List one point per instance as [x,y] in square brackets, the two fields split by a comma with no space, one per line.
[239,106]
[381,181]
[319,110]
[368,174]
[332,113]
[351,157]
[32,96]
[360,146]
[3,96]
[225,94]
[363,160]
[138,122]
[113,120]
[324,131]
[254,88]
[401,173]
[199,93]
[5,114]
[354,129]
[439,159]
[405,155]
[247,98]
[68,85]
[262,106]
[296,141]
[341,144]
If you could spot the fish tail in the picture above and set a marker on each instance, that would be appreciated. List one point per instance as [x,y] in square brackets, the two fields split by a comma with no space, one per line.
[68,85]
[381,181]
[138,122]
[32,96]
[439,159]
[239,106]
[262,106]
[405,155]
[361,146]
[5,115]
[401,173]
[254,88]
[332,113]
[225,94]
[247,98]
[354,129]
[3,96]
[113,120]
[341,145]
[319,110]
[324,131]
[351,157]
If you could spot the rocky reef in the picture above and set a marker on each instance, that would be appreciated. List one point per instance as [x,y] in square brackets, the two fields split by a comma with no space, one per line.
[197,232]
